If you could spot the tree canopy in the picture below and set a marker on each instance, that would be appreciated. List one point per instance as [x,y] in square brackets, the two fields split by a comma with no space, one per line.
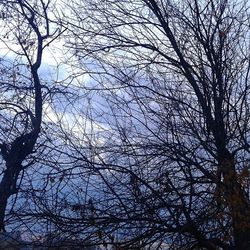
[144,140]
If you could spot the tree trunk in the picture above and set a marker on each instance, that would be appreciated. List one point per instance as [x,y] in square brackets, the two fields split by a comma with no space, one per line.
[14,156]
[3,204]
[7,188]
[237,201]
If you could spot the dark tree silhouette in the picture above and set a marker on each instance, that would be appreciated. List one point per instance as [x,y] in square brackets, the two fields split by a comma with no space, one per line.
[173,156]
[158,152]
[26,31]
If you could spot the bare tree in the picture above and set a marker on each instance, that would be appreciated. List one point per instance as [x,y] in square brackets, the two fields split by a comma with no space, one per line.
[26,31]
[172,159]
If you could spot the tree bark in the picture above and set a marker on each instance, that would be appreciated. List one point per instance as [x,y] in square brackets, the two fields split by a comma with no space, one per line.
[19,149]
[7,188]
[237,202]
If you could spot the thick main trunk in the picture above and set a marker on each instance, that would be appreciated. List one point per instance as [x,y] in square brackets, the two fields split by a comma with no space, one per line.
[3,205]
[14,156]
[237,202]
[7,188]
